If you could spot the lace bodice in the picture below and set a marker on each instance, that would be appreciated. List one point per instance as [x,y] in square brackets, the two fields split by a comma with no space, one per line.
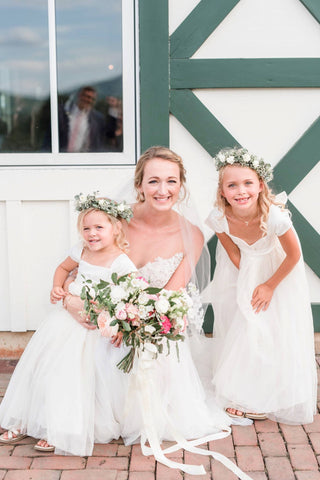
[159,272]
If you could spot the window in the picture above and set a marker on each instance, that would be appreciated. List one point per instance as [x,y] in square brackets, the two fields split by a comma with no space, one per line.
[67,82]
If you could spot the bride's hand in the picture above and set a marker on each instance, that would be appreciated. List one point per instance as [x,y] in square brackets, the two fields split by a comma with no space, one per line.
[116,340]
[74,305]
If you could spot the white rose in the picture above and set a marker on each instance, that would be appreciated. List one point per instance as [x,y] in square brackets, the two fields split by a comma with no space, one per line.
[255,163]
[230,159]
[246,158]
[82,198]
[143,298]
[162,305]
[121,207]
[117,293]
[221,157]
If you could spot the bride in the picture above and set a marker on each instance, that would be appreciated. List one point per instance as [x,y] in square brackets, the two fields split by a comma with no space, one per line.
[163,399]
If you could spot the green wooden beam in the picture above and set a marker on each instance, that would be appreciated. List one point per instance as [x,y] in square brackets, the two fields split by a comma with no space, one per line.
[154,72]
[314,8]
[197,27]
[316,316]
[245,73]
[300,159]
[309,238]
[200,122]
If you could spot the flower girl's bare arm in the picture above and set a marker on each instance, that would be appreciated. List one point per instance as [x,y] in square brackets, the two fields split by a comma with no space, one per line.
[230,247]
[262,294]
[60,275]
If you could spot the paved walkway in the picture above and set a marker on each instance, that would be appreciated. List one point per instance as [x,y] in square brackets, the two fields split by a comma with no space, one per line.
[266,450]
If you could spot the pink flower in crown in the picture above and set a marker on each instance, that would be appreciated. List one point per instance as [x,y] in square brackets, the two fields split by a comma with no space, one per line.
[103,321]
[166,324]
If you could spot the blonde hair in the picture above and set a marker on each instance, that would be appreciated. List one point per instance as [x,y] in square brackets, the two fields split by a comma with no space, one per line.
[165,154]
[119,239]
[265,199]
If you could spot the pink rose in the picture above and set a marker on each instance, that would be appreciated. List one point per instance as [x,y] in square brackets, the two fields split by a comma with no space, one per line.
[104,319]
[121,315]
[132,311]
[166,324]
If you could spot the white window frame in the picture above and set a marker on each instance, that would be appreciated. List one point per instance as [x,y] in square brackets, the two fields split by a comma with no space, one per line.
[88,159]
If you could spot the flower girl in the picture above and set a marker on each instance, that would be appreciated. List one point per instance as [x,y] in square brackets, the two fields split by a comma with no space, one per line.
[265,364]
[57,392]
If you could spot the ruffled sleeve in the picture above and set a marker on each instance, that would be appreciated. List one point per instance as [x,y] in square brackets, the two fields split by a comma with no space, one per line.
[280,220]
[76,251]
[216,221]
[123,265]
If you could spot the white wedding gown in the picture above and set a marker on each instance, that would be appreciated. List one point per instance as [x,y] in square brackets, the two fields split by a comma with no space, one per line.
[163,398]
[58,390]
[263,362]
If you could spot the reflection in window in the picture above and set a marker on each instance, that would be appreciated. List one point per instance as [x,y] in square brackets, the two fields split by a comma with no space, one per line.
[24,76]
[89,62]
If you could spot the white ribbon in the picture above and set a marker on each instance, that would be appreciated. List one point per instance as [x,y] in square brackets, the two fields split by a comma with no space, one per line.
[151,401]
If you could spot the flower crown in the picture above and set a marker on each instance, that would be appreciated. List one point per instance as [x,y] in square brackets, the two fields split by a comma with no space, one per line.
[111,207]
[241,156]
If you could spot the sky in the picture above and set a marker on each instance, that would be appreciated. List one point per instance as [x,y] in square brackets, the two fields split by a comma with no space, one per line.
[88,36]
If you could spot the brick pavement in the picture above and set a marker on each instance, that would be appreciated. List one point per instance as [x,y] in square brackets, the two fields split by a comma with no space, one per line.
[266,450]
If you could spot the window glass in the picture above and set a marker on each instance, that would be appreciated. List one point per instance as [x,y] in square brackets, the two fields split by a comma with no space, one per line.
[24,76]
[89,75]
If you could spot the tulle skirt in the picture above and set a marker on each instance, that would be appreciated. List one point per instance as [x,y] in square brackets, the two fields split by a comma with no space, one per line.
[264,362]
[178,399]
[57,391]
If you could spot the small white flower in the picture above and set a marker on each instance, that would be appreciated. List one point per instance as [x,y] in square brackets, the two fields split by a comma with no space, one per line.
[143,298]
[246,158]
[255,163]
[149,329]
[230,159]
[82,198]
[121,207]
[221,157]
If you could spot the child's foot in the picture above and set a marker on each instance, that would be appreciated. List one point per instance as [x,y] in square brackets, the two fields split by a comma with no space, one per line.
[43,446]
[12,436]
[234,413]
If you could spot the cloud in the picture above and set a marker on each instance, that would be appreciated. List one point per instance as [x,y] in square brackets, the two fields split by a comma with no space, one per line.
[20,36]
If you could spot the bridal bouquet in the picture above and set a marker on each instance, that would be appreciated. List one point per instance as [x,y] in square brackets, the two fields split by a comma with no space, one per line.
[145,315]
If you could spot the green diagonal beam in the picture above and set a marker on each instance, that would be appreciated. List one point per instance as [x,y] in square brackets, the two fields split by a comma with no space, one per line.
[200,122]
[309,238]
[245,73]
[197,27]
[300,159]
[314,8]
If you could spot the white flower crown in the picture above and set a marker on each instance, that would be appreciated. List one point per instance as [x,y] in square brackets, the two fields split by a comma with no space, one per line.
[107,205]
[241,156]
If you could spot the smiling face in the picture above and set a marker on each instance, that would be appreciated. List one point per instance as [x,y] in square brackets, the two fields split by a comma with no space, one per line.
[240,186]
[98,232]
[161,183]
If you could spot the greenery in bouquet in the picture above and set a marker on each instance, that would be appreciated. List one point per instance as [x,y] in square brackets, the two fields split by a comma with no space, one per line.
[145,315]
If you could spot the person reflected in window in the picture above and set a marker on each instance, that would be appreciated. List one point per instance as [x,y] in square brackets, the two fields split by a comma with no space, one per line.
[81,127]
[114,130]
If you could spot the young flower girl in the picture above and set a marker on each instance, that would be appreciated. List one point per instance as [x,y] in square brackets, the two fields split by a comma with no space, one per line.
[57,392]
[265,364]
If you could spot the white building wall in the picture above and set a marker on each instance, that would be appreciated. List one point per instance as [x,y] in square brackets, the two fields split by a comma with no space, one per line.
[37,222]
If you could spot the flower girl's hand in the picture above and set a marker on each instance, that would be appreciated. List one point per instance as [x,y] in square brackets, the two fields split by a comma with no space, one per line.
[116,340]
[56,294]
[74,305]
[261,297]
